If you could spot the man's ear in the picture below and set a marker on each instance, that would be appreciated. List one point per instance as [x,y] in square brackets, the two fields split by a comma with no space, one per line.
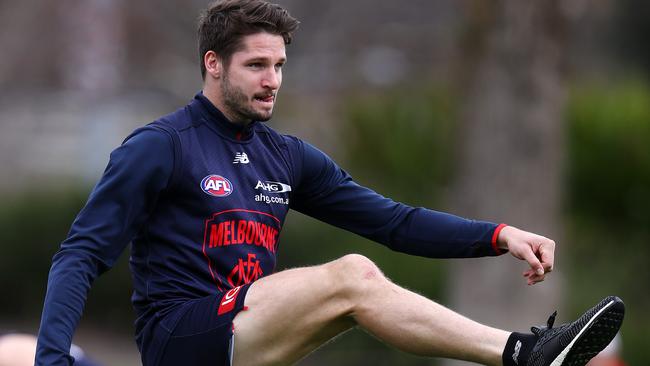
[213,64]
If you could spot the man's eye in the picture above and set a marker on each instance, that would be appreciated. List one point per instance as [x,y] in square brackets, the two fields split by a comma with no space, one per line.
[255,65]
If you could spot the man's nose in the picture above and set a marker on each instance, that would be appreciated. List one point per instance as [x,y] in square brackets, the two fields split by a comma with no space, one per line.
[272,79]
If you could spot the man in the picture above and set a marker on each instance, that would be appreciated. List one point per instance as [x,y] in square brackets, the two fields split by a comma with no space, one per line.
[203,193]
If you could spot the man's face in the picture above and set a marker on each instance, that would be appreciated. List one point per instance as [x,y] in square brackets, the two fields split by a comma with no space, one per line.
[252,78]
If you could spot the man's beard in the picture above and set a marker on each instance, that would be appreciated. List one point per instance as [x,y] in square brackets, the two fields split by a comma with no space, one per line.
[238,104]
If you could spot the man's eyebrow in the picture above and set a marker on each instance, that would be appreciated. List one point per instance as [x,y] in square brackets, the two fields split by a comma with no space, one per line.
[263,59]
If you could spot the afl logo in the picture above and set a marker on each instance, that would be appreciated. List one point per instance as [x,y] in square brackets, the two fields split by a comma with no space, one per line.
[216,185]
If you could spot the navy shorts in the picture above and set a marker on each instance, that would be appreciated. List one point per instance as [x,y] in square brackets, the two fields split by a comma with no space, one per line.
[202,332]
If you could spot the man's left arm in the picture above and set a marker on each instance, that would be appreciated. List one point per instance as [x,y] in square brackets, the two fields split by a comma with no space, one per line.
[328,193]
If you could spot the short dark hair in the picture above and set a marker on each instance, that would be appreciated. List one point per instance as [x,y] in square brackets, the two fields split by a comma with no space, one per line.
[225,22]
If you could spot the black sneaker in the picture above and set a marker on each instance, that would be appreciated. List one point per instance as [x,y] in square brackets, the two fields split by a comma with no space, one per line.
[574,344]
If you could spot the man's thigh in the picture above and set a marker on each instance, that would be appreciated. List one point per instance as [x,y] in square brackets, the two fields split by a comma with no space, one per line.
[289,314]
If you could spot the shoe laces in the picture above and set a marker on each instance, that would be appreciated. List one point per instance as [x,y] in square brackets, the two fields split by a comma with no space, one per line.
[548,331]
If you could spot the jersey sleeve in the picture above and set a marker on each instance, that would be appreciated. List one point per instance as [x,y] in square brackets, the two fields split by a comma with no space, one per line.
[137,173]
[326,192]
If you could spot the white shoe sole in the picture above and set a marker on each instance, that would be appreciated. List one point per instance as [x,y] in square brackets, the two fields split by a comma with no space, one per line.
[560,358]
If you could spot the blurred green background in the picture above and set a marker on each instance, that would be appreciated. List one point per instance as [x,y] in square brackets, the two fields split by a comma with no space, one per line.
[559,93]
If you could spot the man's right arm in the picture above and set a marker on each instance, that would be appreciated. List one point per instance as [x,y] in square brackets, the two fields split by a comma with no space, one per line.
[138,171]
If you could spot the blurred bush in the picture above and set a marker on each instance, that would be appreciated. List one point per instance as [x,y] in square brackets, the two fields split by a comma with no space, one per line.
[402,142]
[609,161]
[608,204]
[32,225]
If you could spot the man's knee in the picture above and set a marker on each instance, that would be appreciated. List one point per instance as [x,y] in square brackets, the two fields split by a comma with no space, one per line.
[357,274]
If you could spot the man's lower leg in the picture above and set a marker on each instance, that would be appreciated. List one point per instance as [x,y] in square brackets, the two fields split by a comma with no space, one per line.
[417,325]
[420,326]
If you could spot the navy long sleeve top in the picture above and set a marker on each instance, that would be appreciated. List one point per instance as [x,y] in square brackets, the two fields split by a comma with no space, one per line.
[203,201]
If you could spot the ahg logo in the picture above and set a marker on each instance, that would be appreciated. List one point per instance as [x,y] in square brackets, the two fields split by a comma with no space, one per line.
[216,185]
[273,187]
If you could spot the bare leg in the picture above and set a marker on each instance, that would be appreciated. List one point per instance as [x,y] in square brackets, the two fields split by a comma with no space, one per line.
[291,313]
[17,350]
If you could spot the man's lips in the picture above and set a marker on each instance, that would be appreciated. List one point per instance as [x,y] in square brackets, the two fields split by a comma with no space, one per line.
[265,98]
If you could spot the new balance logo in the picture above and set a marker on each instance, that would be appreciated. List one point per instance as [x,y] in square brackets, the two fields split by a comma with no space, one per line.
[241,158]
[515,355]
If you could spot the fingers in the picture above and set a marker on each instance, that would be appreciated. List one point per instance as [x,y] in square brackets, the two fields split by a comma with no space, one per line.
[534,263]
[536,250]
[547,254]
[532,277]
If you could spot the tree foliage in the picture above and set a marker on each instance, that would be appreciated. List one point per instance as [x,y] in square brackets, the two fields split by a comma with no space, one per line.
[607,205]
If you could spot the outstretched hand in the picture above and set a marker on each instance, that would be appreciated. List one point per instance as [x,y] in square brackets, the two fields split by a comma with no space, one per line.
[535,249]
